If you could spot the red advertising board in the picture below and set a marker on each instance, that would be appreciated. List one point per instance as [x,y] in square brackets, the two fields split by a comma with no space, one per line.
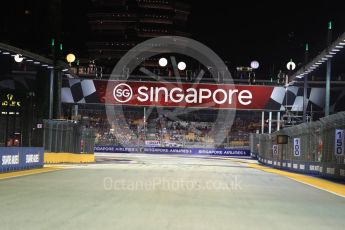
[167,94]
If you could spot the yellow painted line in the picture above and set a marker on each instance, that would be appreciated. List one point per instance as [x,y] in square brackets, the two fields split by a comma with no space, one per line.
[243,161]
[326,185]
[28,172]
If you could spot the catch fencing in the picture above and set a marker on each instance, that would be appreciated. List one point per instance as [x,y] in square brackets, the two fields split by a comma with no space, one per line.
[68,137]
[315,147]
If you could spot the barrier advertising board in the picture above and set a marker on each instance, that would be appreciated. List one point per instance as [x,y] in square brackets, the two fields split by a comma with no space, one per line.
[297,147]
[192,151]
[339,142]
[19,158]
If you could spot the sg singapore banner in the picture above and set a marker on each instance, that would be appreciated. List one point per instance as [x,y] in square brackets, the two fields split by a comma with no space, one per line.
[211,96]
[20,158]
[192,151]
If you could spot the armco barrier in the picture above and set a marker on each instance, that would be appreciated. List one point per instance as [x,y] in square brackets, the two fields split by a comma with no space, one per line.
[20,158]
[314,148]
[191,151]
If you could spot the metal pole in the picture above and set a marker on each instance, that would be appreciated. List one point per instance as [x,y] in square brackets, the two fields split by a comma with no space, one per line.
[6,131]
[328,71]
[58,87]
[161,133]
[270,123]
[286,98]
[51,94]
[328,87]
[305,85]
[138,137]
[262,122]
[278,121]
[144,125]
[305,103]
[75,111]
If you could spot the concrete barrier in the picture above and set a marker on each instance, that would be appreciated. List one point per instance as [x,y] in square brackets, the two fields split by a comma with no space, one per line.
[56,158]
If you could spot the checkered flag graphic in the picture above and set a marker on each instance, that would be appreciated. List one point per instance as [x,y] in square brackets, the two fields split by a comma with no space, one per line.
[78,91]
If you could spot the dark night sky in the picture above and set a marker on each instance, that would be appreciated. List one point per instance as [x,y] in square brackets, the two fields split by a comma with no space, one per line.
[271,33]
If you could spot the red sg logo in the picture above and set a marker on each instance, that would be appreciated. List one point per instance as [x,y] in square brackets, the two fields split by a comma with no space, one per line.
[123,93]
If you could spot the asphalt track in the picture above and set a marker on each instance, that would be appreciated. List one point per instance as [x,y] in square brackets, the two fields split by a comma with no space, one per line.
[124,191]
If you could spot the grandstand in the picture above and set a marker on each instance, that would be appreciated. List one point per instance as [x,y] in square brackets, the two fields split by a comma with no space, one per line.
[189,130]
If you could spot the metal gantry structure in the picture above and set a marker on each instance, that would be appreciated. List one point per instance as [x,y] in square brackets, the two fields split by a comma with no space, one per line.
[56,68]
[324,57]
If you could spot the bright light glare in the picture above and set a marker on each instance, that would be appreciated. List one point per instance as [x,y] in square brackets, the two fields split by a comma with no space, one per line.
[18,58]
[181,65]
[163,62]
